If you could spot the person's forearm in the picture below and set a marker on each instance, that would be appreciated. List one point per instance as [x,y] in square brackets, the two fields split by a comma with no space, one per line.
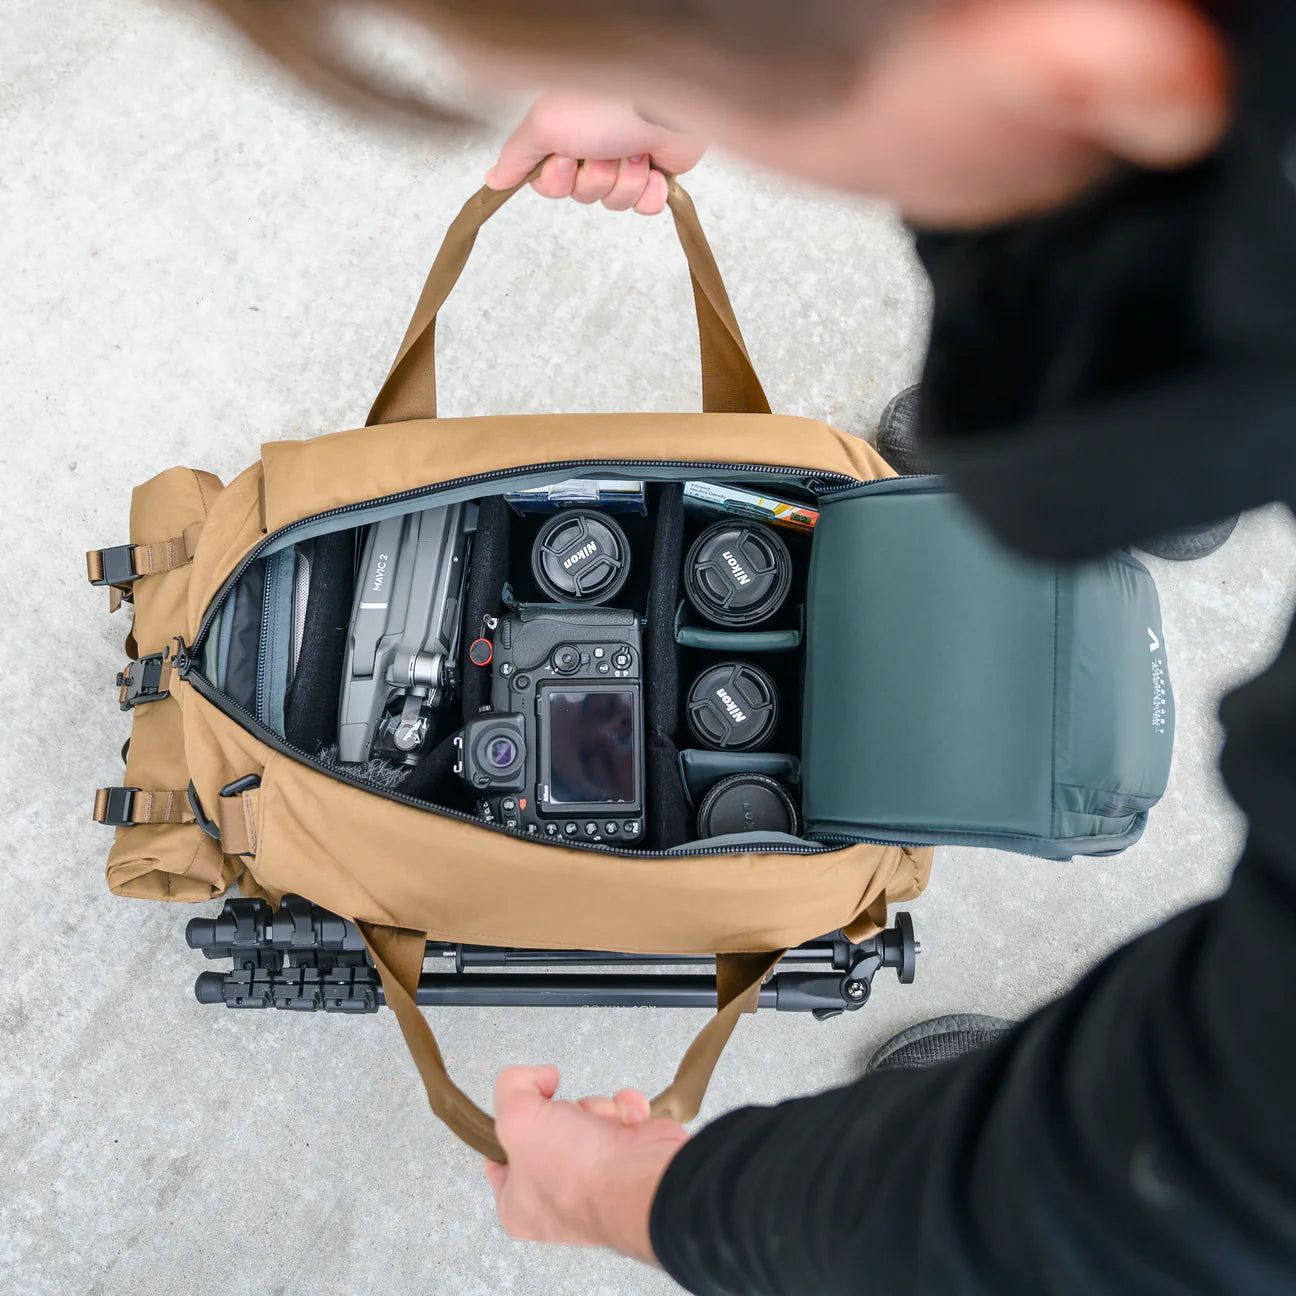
[1138,1135]
[1063,1159]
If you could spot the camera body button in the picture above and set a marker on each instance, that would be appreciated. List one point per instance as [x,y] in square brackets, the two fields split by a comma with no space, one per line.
[566,659]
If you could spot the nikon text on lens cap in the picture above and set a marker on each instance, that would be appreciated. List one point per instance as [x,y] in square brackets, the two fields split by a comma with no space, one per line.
[747,803]
[580,557]
[737,573]
[733,707]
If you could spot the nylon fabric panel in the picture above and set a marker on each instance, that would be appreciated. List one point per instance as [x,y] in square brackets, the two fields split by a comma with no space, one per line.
[382,862]
[234,527]
[1115,708]
[307,477]
[929,673]
[165,861]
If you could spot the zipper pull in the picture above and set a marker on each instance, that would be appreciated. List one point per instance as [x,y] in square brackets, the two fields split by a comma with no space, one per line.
[482,649]
[180,657]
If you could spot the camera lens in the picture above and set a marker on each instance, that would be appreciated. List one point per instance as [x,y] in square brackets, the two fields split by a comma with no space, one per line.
[580,557]
[733,706]
[747,803]
[501,753]
[738,573]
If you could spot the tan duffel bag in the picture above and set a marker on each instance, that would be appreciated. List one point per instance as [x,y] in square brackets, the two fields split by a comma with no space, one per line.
[215,793]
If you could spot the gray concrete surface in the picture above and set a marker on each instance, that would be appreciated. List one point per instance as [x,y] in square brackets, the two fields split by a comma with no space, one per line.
[196,258]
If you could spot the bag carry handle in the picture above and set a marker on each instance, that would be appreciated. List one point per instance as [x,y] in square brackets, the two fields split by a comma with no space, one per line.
[729,383]
[398,954]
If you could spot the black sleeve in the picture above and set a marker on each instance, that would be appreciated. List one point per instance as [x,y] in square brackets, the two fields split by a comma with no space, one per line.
[1136,1136]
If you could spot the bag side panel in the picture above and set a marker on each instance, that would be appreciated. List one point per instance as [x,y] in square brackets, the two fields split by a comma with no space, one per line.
[307,477]
[234,527]
[1115,708]
[378,861]
[165,861]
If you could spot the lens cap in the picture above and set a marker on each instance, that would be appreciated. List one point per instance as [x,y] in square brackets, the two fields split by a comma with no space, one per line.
[580,557]
[747,803]
[733,707]
[738,573]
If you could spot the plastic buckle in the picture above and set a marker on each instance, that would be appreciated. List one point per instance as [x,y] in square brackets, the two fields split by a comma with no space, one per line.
[140,682]
[209,826]
[119,807]
[118,565]
[248,783]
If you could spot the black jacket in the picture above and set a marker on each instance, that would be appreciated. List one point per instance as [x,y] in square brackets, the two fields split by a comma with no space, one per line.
[1120,370]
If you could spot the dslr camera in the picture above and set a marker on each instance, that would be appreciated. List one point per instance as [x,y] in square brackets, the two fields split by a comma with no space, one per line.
[561,752]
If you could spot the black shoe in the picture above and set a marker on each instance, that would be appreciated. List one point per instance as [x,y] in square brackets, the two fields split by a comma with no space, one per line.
[897,433]
[938,1040]
[1196,542]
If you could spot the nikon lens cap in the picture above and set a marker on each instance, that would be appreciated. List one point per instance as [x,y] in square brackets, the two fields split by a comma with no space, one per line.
[733,707]
[747,803]
[738,573]
[581,557]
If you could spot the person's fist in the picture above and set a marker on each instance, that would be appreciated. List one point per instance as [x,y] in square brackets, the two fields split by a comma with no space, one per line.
[597,150]
[581,1173]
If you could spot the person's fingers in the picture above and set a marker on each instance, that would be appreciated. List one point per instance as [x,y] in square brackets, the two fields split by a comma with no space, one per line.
[556,177]
[518,1088]
[497,1176]
[602,1107]
[518,157]
[632,178]
[632,1106]
[595,179]
[655,193]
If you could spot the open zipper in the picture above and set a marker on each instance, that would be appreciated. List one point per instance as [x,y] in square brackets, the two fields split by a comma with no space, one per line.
[821,483]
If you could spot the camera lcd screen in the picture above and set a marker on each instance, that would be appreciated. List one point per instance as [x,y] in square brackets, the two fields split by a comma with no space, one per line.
[591,747]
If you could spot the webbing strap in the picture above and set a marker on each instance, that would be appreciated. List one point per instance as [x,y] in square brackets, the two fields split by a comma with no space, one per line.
[398,955]
[236,817]
[122,564]
[729,382]
[122,807]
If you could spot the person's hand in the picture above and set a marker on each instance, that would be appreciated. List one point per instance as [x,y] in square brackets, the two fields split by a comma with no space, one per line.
[582,1173]
[598,150]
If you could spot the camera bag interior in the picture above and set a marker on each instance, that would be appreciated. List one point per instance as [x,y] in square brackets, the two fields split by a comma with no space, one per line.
[239,790]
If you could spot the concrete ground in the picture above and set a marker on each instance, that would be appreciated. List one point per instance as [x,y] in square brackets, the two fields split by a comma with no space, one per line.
[196,258]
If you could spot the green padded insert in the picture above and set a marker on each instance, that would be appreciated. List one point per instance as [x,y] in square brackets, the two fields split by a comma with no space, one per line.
[956,692]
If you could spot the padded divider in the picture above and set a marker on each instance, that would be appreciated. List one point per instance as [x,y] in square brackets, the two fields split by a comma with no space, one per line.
[702,770]
[669,819]
[276,640]
[311,708]
[245,638]
[486,576]
[692,633]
